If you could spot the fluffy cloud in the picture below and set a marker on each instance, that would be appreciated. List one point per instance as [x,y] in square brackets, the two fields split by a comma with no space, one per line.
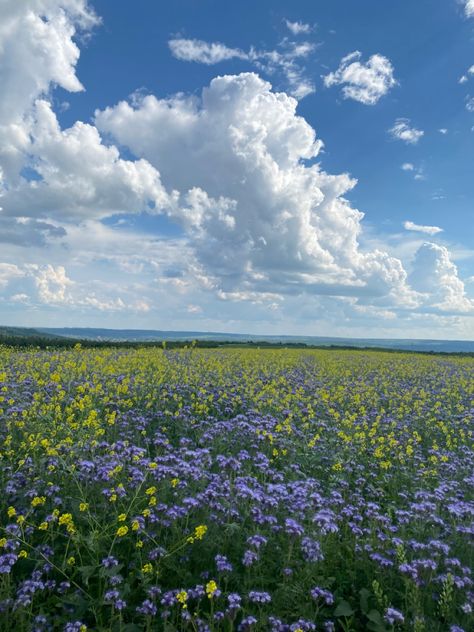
[203,52]
[257,217]
[428,230]
[469,8]
[364,82]
[49,175]
[284,60]
[436,277]
[403,131]
[298,28]
[79,177]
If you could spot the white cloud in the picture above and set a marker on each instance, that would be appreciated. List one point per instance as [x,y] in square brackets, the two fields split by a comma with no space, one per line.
[443,131]
[258,219]
[469,8]
[203,52]
[402,130]
[418,172]
[259,223]
[429,230]
[436,277]
[470,104]
[298,28]
[37,52]
[79,176]
[364,82]
[465,78]
[284,60]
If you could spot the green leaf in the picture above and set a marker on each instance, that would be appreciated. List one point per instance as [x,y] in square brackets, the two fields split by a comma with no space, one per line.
[375,617]
[364,600]
[87,572]
[344,609]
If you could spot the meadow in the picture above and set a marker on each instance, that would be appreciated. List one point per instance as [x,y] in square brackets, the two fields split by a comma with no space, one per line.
[237,489]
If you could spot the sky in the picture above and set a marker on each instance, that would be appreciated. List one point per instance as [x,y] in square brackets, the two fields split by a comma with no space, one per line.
[266,167]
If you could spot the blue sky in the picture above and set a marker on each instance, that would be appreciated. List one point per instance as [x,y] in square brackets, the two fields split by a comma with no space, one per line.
[162,166]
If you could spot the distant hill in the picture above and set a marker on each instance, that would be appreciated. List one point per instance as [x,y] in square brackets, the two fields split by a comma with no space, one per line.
[151,335]
[27,336]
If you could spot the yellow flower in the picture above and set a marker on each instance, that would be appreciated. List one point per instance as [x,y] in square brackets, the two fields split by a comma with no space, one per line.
[71,561]
[65,518]
[3,541]
[122,517]
[22,553]
[211,588]
[139,544]
[146,513]
[174,482]
[150,491]
[121,531]
[200,531]
[147,568]
[43,526]
[182,598]
[21,519]
[38,500]
[11,512]
[135,525]
[83,506]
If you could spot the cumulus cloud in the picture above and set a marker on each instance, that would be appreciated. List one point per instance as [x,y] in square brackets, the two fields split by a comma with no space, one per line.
[284,60]
[428,230]
[78,176]
[258,218]
[364,82]
[435,276]
[403,131]
[298,28]
[49,176]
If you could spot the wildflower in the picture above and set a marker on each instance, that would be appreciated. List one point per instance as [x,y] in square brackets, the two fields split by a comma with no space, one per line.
[109,562]
[321,593]
[43,526]
[182,598]
[122,517]
[211,589]
[38,500]
[122,531]
[83,506]
[147,568]
[259,597]
[148,608]
[247,623]
[223,564]
[393,616]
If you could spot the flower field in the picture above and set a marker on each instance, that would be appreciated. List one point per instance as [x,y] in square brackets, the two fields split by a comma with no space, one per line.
[236,489]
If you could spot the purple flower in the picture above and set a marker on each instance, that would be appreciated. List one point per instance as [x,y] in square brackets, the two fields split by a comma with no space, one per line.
[393,616]
[109,562]
[223,564]
[234,600]
[293,528]
[147,608]
[322,593]
[259,597]
[247,623]
[249,558]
